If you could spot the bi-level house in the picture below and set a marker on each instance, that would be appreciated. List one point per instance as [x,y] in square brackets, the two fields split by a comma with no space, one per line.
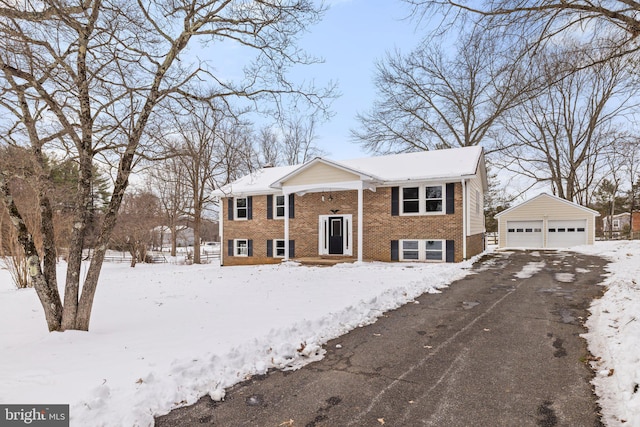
[424,206]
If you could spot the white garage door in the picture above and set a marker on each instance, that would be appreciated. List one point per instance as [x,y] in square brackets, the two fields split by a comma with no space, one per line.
[562,234]
[524,234]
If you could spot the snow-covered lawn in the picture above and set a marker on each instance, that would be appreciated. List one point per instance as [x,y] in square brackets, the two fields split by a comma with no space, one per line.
[163,335]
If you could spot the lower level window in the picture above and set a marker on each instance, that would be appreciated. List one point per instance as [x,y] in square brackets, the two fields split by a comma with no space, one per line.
[422,250]
[241,247]
[279,248]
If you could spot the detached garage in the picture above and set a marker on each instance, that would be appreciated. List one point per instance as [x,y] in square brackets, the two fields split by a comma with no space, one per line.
[546,221]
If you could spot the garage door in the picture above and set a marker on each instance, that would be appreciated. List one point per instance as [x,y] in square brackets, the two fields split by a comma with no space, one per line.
[524,234]
[562,234]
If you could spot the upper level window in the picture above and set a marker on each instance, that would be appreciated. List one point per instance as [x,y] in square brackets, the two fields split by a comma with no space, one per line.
[279,207]
[433,198]
[411,200]
[426,199]
[241,208]
[616,224]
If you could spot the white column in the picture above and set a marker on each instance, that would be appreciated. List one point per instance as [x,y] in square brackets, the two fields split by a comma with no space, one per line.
[360,225]
[286,227]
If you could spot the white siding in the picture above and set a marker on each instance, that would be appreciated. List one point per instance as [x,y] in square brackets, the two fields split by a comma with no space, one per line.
[475,215]
[321,173]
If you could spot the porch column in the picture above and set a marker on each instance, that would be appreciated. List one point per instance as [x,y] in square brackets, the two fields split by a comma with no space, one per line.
[286,226]
[360,216]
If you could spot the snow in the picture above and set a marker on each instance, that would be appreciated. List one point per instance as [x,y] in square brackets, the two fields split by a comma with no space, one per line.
[161,336]
[614,334]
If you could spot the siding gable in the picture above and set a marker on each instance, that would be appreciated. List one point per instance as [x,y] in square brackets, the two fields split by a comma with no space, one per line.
[319,173]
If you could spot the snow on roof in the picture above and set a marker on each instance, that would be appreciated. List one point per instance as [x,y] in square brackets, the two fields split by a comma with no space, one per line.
[423,165]
[390,169]
[551,196]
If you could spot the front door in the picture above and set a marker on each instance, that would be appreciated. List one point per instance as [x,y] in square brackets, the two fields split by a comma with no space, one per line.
[336,235]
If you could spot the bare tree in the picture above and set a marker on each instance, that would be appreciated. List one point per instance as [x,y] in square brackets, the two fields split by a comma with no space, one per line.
[139,215]
[299,134]
[168,180]
[608,30]
[564,135]
[88,78]
[432,98]
[200,141]
[269,149]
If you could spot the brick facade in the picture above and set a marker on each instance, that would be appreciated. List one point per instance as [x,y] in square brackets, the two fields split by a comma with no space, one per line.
[380,227]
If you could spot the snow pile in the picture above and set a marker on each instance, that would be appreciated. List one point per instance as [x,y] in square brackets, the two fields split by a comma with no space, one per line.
[530,269]
[614,334]
[164,335]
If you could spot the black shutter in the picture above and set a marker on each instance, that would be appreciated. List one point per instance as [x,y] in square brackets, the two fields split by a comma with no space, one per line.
[230,209]
[269,206]
[395,201]
[451,252]
[292,248]
[250,207]
[230,247]
[451,206]
[249,247]
[395,252]
[269,248]
[291,206]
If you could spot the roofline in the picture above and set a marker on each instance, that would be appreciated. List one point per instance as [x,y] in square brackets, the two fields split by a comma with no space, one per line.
[584,208]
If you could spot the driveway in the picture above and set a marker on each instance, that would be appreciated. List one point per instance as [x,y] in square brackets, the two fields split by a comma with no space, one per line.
[501,347]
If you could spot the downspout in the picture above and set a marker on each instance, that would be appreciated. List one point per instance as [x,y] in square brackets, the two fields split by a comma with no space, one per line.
[464,219]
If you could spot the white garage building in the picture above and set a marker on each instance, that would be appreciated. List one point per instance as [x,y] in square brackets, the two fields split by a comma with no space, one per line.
[546,221]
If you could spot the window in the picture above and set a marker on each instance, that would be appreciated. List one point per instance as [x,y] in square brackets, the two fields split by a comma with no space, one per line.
[433,250]
[411,200]
[423,200]
[616,224]
[410,250]
[279,248]
[433,198]
[241,208]
[241,247]
[422,250]
[477,202]
[279,208]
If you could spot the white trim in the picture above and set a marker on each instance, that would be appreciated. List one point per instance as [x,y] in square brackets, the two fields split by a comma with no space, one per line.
[286,227]
[235,247]
[323,234]
[422,250]
[422,199]
[235,208]
[360,221]
[327,186]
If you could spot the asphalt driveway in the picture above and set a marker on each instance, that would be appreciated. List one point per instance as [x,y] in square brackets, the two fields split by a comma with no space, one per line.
[501,347]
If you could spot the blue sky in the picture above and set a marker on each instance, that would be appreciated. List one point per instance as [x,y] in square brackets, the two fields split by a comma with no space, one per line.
[351,37]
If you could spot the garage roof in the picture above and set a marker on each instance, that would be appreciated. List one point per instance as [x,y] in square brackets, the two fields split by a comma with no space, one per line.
[556,198]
